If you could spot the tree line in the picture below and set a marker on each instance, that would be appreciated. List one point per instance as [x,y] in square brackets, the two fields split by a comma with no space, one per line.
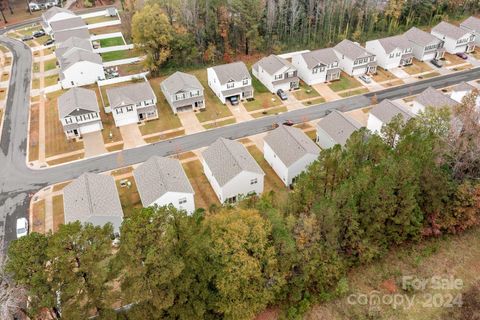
[418,179]
[182,33]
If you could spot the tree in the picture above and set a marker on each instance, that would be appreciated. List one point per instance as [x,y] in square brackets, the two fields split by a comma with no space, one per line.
[12,295]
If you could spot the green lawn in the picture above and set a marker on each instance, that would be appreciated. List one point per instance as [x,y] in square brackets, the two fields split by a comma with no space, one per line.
[129,197]
[222,123]
[110,42]
[269,112]
[262,97]
[305,92]
[344,83]
[353,92]
[118,55]
[51,80]
[99,19]
[36,67]
[429,75]
[313,102]
[50,64]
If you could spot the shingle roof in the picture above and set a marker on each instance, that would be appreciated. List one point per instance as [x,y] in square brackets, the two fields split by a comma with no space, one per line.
[62,36]
[290,144]
[386,110]
[130,94]
[472,23]
[93,198]
[463,86]
[77,98]
[450,30]
[236,71]
[352,50]
[180,81]
[76,55]
[159,175]
[433,98]
[338,126]
[50,13]
[227,159]
[321,56]
[272,64]
[391,43]
[67,24]
[420,37]
[76,42]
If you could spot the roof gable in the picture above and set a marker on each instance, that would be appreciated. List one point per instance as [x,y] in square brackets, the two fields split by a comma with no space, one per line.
[180,81]
[130,94]
[338,126]
[77,99]
[386,110]
[236,71]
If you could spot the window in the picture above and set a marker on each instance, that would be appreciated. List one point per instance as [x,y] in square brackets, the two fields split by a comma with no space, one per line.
[78,118]
[178,96]
[278,76]
[230,85]
[392,55]
[119,110]
[315,70]
[245,82]
[254,181]
[129,108]
[356,62]
[322,69]
[195,93]
[182,200]
[68,120]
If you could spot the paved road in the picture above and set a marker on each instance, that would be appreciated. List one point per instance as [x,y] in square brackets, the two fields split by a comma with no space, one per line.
[18,181]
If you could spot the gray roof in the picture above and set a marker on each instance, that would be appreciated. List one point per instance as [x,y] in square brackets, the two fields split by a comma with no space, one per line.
[73,42]
[321,56]
[180,81]
[391,43]
[272,64]
[75,55]
[236,71]
[159,175]
[449,30]
[338,126]
[290,144]
[67,24]
[433,98]
[62,36]
[227,159]
[420,37]
[130,94]
[352,50]
[386,110]
[50,13]
[472,23]
[77,99]
[463,86]
[93,198]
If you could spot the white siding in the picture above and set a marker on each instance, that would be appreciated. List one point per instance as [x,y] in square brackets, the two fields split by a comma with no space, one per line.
[277,165]
[174,199]
[417,107]
[384,59]
[217,88]
[82,73]
[307,74]
[451,45]
[374,124]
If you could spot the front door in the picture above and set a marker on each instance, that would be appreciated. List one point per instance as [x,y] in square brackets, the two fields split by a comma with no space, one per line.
[75,132]
[141,116]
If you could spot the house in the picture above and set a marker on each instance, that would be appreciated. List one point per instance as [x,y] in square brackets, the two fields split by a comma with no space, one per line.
[79,67]
[64,35]
[289,151]
[472,25]
[55,14]
[354,59]
[335,128]
[391,52]
[461,90]
[71,43]
[78,112]
[276,73]
[432,98]
[132,103]
[425,46]
[232,172]
[229,81]
[317,66]
[93,198]
[455,39]
[183,92]
[67,24]
[384,112]
[162,181]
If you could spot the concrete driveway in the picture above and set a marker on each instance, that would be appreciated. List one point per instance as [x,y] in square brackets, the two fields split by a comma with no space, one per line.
[325,91]
[93,144]
[190,122]
[132,137]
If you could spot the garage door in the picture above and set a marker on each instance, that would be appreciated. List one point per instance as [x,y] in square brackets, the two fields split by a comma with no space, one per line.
[90,128]
[359,71]
[429,56]
[185,108]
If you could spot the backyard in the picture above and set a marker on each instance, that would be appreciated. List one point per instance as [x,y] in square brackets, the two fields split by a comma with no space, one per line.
[111,42]
[129,196]
[119,55]
[99,19]
[204,194]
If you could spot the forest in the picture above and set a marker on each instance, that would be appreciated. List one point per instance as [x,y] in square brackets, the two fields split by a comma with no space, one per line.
[183,33]
[354,204]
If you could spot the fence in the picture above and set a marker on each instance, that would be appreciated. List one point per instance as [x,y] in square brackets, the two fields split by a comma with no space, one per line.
[114,48]
[121,62]
[138,76]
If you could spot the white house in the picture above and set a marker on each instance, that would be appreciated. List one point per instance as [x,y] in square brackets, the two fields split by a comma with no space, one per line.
[456,39]
[232,172]
[354,59]
[276,73]
[230,80]
[183,92]
[289,151]
[317,66]
[55,14]
[432,98]
[472,25]
[78,112]
[425,46]
[132,103]
[391,52]
[461,90]
[162,182]
[384,112]
[335,128]
[79,67]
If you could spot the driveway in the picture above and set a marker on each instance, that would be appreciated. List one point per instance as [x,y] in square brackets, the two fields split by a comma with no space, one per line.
[93,144]
[239,112]
[190,122]
[132,137]
[325,91]
[372,86]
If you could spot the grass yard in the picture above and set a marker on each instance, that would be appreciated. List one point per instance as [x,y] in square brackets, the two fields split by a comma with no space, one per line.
[161,137]
[119,55]
[353,92]
[269,112]
[111,42]
[204,194]
[55,140]
[452,60]
[3,93]
[4,49]
[271,182]
[313,102]
[110,132]
[383,75]
[129,197]
[214,109]
[7,62]
[116,147]
[36,67]
[394,83]
[35,83]
[27,31]
[105,30]
[33,133]
[38,217]
[60,186]
[476,53]
[312,134]
[51,80]
[305,92]
[217,124]
[429,75]
[58,213]
[263,98]
[464,67]
[131,68]
[344,83]
[5,76]
[122,171]
[417,67]
[50,64]
[99,19]
[38,41]
[67,159]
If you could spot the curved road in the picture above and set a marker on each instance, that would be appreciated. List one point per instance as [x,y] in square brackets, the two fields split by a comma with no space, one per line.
[18,181]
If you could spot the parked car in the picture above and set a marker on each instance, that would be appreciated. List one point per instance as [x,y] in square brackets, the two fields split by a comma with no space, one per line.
[38,34]
[437,63]
[282,94]
[26,38]
[234,100]
[365,78]
[22,227]
[288,123]
[49,42]
[462,55]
